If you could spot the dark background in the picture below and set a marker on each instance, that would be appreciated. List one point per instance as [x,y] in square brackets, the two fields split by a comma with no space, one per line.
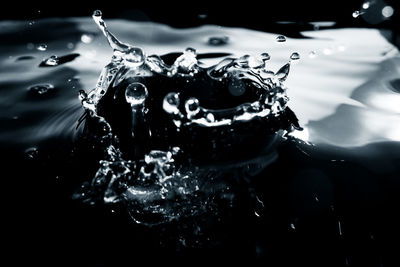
[250,14]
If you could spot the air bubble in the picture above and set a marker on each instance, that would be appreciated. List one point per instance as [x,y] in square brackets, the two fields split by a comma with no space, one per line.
[97,13]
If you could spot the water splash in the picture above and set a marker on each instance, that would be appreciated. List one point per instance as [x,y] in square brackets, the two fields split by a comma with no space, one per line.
[156,187]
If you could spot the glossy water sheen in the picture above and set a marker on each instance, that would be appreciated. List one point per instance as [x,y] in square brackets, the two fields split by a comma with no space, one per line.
[344,91]
[322,89]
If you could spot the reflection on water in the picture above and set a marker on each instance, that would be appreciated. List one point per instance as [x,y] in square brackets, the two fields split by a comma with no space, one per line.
[343,88]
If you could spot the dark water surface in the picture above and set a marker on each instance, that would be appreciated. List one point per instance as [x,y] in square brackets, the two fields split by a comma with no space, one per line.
[329,196]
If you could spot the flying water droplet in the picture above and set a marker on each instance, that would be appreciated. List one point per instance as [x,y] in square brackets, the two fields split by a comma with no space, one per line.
[171,103]
[280,39]
[283,72]
[136,93]
[97,13]
[357,13]
[42,47]
[41,89]
[366,5]
[295,56]
[51,61]
[192,107]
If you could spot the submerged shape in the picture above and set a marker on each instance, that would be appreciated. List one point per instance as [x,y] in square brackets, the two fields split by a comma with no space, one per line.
[168,104]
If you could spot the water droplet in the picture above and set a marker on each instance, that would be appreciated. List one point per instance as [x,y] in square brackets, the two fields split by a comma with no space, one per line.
[136,93]
[265,57]
[42,47]
[280,39]
[134,57]
[86,38]
[340,228]
[171,103]
[387,11]
[366,5]
[31,153]
[312,54]
[192,107]
[97,13]
[191,50]
[218,40]
[41,89]
[283,72]
[357,13]
[295,56]
[292,226]
[210,117]
[51,61]
[70,45]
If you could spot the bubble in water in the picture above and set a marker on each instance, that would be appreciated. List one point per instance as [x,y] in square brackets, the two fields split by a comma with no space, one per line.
[295,56]
[280,39]
[86,38]
[192,107]
[41,89]
[51,61]
[171,103]
[70,46]
[218,40]
[42,47]
[136,93]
